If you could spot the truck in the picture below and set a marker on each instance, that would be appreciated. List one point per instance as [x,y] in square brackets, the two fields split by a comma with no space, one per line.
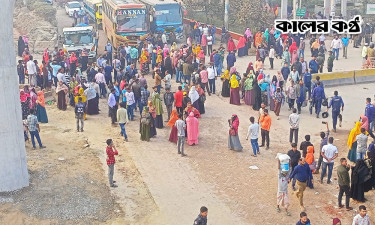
[77,38]
[165,16]
[94,10]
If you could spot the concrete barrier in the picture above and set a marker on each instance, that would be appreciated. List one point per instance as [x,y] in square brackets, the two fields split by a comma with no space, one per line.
[336,78]
[364,76]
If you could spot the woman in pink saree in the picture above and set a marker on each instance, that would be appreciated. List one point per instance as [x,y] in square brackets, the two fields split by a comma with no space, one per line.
[192,127]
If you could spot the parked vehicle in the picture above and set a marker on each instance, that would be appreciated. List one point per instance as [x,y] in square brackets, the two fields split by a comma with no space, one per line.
[70,7]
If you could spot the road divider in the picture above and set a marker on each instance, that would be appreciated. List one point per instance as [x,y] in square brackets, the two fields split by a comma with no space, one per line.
[346,77]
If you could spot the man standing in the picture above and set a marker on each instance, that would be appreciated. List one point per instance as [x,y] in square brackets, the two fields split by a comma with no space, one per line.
[130,101]
[253,132]
[202,217]
[181,126]
[336,103]
[344,183]
[304,144]
[112,106]
[336,44]
[285,71]
[34,129]
[329,154]
[31,71]
[330,60]
[307,82]
[211,77]
[145,94]
[345,42]
[370,114]
[204,79]
[100,79]
[79,110]
[108,49]
[301,48]
[134,56]
[294,159]
[294,75]
[362,218]
[313,65]
[21,72]
[361,144]
[324,141]
[178,97]
[302,174]
[317,97]
[111,161]
[122,119]
[294,125]
[136,87]
[168,101]
[265,121]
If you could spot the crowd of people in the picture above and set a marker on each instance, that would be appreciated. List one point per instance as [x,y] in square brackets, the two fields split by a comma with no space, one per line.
[116,77]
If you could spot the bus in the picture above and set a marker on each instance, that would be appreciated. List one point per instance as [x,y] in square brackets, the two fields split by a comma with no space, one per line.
[94,10]
[166,16]
[125,21]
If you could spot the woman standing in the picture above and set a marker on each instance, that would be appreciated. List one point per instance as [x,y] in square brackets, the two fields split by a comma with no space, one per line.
[73,63]
[145,124]
[225,90]
[194,97]
[352,142]
[234,91]
[231,46]
[171,122]
[241,46]
[278,99]
[291,91]
[158,107]
[192,129]
[33,98]
[25,104]
[249,91]
[21,46]
[233,140]
[144,62]
[286,56]
[61,91]
[201,100]
[92,100]
[41,112]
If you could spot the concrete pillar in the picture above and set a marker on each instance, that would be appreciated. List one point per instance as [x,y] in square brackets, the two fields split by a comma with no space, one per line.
[295,7]
[343,9]
[226,14]
[327,8]
[284,9]
[13,164]
[333,7]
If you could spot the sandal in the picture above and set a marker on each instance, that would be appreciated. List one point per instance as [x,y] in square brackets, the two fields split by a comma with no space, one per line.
[278,210]
[288,213]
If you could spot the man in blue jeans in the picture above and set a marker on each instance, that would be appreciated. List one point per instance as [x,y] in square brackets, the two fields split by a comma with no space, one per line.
[122,119]
[329,154]
[34,129]
[253,132]
[361,144]
[337,104]
[211,77]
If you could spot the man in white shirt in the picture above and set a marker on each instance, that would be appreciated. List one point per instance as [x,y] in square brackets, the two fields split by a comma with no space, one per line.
[100,79]
[61,76]
[130,101]
[209,43]
[336,44]
[164,38]
[271,56]
[127,50]
[329,154]
[294,125]
[31,71]
[211,77]
[253,132]
[362,218]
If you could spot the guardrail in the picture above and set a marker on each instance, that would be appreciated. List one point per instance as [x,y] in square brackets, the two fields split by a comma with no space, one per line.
[347,77]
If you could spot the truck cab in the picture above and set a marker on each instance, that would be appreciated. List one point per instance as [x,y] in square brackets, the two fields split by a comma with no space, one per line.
[77,38]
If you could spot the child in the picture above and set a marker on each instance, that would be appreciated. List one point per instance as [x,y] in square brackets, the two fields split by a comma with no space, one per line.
[202,217]
[311,161]
[79,111]
[282,193]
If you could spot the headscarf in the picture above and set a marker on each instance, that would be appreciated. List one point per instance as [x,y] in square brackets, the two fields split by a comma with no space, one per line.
[336,221]
[235,123]
[193,94]
[61,87]
[241,42]
[234,82]
[73,58]
[174,118]
[364,123]
[249,81]
[25,39]
[201,54]
[353,134]
[23,95]
[250,66]
[81,94]
[156,104]
[41,100]
[33,98]
[226,75]
[267,34]
[248,33]
[90,92]
[293,47]
[174,46]
[233,70]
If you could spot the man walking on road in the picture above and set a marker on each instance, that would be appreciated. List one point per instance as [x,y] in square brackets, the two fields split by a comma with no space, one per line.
[294,159]
[302,174]
[253,133]
[111,161]
[317,98]
[336,44]
[329,154]
[34,129]
[265,121]
[294,125]
[336,103]
[344,183]
[122,119]
[181,126]
[362,218]
[324,141]
[345,43]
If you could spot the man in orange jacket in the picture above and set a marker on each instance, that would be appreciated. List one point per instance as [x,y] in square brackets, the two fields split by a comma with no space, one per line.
[265,121]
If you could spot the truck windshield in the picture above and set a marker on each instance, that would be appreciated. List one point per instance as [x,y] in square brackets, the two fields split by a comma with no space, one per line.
[78,37]
[168,14]
[74,5]
[132,20]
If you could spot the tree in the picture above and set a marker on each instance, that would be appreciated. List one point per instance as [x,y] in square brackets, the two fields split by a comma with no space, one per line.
[13,163]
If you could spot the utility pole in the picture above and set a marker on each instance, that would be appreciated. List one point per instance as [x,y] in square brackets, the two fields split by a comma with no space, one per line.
[226,14]
[284,9]
[343,9]
[13,163]
[295,6]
